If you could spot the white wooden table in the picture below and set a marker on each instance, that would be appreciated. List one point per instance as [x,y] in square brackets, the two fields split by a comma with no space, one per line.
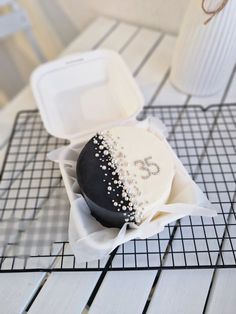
[148,55]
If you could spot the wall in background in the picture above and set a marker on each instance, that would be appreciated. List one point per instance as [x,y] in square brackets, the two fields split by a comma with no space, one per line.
[57,22]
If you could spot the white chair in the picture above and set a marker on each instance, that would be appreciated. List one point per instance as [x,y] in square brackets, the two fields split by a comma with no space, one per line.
[16,20]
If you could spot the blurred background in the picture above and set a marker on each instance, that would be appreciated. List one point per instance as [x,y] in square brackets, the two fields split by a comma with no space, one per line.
[43,28]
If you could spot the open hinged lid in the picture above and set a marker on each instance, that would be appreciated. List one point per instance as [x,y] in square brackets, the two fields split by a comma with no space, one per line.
[83,93]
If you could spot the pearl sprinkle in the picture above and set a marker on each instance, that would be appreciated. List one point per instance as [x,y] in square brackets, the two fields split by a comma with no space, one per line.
[122,185]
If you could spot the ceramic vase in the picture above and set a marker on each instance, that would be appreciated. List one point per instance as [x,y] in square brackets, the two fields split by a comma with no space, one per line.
[205,54]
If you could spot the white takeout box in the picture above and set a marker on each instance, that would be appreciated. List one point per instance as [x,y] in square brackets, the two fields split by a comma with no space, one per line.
[78,96]
[83,93]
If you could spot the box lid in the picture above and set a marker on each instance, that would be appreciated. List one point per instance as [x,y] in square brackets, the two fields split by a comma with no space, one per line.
[83,93]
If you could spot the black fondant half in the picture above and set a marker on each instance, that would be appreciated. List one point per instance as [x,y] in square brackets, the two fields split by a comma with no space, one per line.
[91,178]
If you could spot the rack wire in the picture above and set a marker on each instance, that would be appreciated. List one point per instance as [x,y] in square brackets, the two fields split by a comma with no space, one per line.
[34,210]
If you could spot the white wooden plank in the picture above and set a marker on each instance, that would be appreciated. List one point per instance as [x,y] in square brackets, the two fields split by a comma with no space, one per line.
[151,76]
[169,95]
[92,35]
[123,292]
[135,53]
[16,290]
[176,294]
[65,293]
[222,298]
[119,37]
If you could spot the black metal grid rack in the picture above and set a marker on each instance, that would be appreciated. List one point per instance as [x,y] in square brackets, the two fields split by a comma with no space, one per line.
[34,210]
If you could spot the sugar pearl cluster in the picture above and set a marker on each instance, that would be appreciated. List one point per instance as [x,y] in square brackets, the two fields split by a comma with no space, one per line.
[121,184]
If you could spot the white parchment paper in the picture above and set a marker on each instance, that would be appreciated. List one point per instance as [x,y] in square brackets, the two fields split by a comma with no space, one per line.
[90,240]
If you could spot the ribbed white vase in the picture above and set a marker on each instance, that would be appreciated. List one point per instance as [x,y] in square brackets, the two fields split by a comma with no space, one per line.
[205,54]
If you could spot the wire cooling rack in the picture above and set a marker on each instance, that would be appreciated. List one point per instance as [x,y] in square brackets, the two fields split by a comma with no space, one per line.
[34,210]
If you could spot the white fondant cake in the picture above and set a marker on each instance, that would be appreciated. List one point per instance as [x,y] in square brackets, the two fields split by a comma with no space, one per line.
[123,173]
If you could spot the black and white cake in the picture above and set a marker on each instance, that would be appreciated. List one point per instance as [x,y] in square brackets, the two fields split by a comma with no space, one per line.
[123,173]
